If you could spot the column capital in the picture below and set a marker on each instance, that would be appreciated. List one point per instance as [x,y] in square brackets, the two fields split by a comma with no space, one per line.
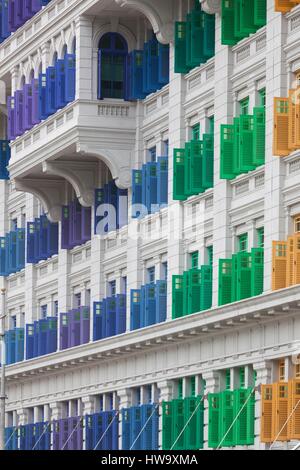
[166,389]
[211,6]
[88,403]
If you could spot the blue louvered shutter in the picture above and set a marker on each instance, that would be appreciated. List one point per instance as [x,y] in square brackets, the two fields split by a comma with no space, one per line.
[70,73]
[162,180]
[135,309]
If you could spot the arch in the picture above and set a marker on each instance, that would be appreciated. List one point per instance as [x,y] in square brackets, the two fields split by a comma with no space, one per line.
[148,11]
[121,29]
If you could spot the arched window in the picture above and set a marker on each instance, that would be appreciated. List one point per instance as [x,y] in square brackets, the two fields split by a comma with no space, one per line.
[112,60]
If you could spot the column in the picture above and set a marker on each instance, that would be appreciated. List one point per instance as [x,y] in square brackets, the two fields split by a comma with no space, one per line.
[276,86]
[84,37]
[222,238]
[212,380]
[165,388]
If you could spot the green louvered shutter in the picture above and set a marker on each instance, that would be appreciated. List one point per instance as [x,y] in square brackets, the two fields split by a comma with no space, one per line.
[197,33]
[188,44]
[244,276]
[244,425]
[177,297]
[239,34]
[167,424]
[194,289]
[208,161]
[246,143]
[247,17]
[193,415]
[227,141]
[186,283]
[225,275]
[259,136]
[178,179]
[178,424]
[196,155]
[180,47]
[228,38]
[260,12]
[209,35]
[213,420]
[236,146]
[251,418]
[234,278]
[206,288]
[257,271]
[188,170]
[227,412]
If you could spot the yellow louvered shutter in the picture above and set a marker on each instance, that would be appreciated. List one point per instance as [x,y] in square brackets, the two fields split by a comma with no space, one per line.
[280,414]
[294,404]
[290,262]
[296,258]
[281,127]
[283,5]
[279,265]
[292,120]
[266,413]
[296,120]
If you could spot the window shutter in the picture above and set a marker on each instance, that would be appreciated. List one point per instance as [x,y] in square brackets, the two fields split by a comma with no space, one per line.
[260,12]
[209,35]
[162,180]
[150,313]
[247,17]
[214,420]
[236,157]
[27,108]
[178,178]
[196,46]
[161,301]
[86,223]
[234,278]
[42,97]
[178,424]
[19,104]
[99,321]
[238,32]
[257,271]
[193,417]
[52,239]
[64,330]
[290,265]
[35,101]
[76,215]
[186,292]
[177,297]
[43,237]
[279,263]
[244,276]
[163,64]
[146,89]
[281,127]
[135,309]
[295,122]
[30,242]
[188,169]
[294,397]
[208,161]
[121,314]
[206,288]
[11,130]
[244,426]
[151,190]
[167,425]
[227,418]
[196,167]
[246,143]
[70,71]
[180,47]
[227,24]
[225,276]
[65,228]
[283,5]
[110,316]
[194,302]
[280,417]
[136,191]
[50,91]
[259,132]
[296,259]
[227,150]
[99,199]
[152,66]
[29,341]
[137,75]
[60,84]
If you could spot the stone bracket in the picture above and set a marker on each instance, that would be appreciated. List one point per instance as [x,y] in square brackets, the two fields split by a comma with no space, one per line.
[211,6]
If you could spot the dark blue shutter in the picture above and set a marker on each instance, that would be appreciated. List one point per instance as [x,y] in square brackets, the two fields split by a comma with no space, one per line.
[35,86]
[35,338]
[84,325]
[20,249]
[13,251]
[37,251]
[3,271]
[161,301]
[52,239]
[19,344]
[99,199]
[60,84]
[163,64]
[27,11]
[4,20]
[99,91]
[44,229]
[27,108]
[7,257]
[11,16]
[121,314]
[151,187]
[51,339]
[42,97]
[42,337]
[86,216]
[162,180]
[135,309]
[111,316]
[135,427]
[50,91]
[126,438]
[65,228]
[70,70]
[99,327]
[29,341]
[76,215]
[19,112]
[64,331]
[11,120]
[152,66]
[137,190]
[146,90]
[137,71]
[18,13]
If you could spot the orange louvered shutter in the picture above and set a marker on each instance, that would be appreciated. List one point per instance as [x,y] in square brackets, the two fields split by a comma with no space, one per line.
[266,413]
[279,264]
[296,120]
[292,120]
[294,409]
[296,258]
[283,5]
[281,127]
[290,262]
[280,411]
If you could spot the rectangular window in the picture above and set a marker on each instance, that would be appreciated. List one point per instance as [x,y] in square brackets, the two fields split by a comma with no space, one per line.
[23,220]
[180,388]
[211,127]
[22,320]
[227,379]
[55,307]
[260,237]
[297,224]
[14,224]
[165,271]
[297,371]
[112,288]
[152,154]
[244,106]
[77,300]
[194,260]
[13,322]
[124,285]
[210,255]
[44,309]
[262,97]
[242,377]
[193,386]
[166,148]
[196,132]
[243,242]
[151,275]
